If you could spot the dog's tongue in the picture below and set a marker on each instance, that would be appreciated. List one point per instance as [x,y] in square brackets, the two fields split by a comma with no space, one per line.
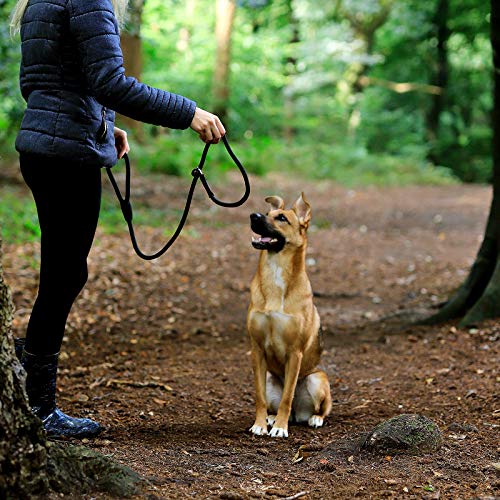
[265,239]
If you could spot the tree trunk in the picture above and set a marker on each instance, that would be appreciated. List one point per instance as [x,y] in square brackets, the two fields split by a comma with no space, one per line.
[31,467]
[478,298]
[440,77]
[186,31]
[23,454]
[290,71]
[364,28]
[225,10]
[131,43]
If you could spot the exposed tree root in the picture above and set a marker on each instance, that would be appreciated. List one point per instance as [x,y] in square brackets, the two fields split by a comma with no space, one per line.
[472,289]
[488,305]
[75,470]
[477,299]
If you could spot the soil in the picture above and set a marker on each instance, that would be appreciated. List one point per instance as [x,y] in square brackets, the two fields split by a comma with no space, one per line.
[158,353]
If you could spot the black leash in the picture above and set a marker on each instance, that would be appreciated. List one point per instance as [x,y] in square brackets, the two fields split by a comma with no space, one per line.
[197,173]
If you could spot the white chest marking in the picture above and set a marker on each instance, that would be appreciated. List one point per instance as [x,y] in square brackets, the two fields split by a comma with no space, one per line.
[279,281]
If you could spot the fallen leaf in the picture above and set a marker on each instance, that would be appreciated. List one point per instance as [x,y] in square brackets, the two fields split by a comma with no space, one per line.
[132,383]
[458,437]
[443,371]
[364,405]
[298,457]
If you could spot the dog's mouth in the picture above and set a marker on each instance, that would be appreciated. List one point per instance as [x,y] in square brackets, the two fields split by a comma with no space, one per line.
[267,238]
[266,243]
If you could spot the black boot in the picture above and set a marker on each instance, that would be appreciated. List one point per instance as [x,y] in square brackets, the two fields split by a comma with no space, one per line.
[41,378]
[19,345]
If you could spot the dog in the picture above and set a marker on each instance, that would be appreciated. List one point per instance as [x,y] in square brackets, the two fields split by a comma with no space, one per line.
[284,325]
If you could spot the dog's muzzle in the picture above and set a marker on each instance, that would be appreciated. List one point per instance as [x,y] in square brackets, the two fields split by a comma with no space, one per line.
[269,238]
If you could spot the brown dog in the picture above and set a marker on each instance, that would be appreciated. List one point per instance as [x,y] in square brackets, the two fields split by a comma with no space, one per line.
[283,324]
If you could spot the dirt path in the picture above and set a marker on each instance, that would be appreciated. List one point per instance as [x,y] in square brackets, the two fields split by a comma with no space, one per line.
[158,351]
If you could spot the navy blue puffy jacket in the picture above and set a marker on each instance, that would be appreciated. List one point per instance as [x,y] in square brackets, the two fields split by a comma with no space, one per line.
[71,72]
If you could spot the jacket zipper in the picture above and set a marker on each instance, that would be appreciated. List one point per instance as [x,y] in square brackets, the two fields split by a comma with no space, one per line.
[103,128]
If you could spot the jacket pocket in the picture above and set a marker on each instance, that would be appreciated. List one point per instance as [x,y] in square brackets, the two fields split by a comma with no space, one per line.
[102,132]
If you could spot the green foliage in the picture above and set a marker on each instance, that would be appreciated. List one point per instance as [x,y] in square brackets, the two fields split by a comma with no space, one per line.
[178,153]
[11,104]
[464,139]
[353,165]
[111,220]
[297,69]
[347,163]
[18,218]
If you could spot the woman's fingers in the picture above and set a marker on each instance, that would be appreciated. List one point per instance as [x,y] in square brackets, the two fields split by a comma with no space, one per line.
[208,135]
[121,142]
[208,126]
[220,127]
[123,148]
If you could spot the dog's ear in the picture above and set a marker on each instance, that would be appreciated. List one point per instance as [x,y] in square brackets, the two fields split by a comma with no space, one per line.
[276,202]
[303,210]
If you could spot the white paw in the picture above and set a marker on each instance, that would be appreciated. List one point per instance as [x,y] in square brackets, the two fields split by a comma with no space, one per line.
[257,430]
[315,421]
[271,419]
[278,432]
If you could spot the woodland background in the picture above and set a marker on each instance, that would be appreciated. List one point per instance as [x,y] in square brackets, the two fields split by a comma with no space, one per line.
[358,91]
[381,111]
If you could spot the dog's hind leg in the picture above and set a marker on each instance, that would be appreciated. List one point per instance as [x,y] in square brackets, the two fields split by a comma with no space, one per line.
[313,401]
[292,369]
[274,393]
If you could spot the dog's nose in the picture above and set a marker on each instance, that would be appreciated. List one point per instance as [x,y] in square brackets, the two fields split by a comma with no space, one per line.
[255,217]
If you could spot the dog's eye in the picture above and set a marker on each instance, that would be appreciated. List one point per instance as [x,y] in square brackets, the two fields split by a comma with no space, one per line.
[281,218]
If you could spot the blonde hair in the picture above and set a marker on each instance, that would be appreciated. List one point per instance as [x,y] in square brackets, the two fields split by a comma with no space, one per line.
[119,6]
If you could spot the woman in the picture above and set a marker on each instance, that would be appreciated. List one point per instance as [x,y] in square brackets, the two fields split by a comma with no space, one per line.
[73,81]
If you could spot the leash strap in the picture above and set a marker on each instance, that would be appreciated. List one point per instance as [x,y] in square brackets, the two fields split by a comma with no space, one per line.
[197,173]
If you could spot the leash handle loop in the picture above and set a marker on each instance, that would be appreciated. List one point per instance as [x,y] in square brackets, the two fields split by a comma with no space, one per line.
[197,173]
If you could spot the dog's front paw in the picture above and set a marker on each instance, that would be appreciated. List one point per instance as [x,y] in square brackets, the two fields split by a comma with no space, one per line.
[270,419]
[257,430]
[315,421]
[278,432]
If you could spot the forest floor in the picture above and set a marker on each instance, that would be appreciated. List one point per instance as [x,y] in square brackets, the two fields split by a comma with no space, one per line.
[158,353]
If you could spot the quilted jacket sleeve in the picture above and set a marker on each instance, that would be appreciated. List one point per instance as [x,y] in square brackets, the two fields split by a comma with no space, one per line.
[93,24]
[22,74]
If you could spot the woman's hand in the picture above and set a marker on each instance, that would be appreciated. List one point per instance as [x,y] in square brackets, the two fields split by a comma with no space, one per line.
[208,126]
[121,142]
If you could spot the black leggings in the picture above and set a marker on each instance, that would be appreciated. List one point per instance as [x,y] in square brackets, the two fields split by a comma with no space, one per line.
[68,199]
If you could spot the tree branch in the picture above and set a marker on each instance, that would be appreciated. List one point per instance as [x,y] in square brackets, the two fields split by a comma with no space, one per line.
[401,87]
